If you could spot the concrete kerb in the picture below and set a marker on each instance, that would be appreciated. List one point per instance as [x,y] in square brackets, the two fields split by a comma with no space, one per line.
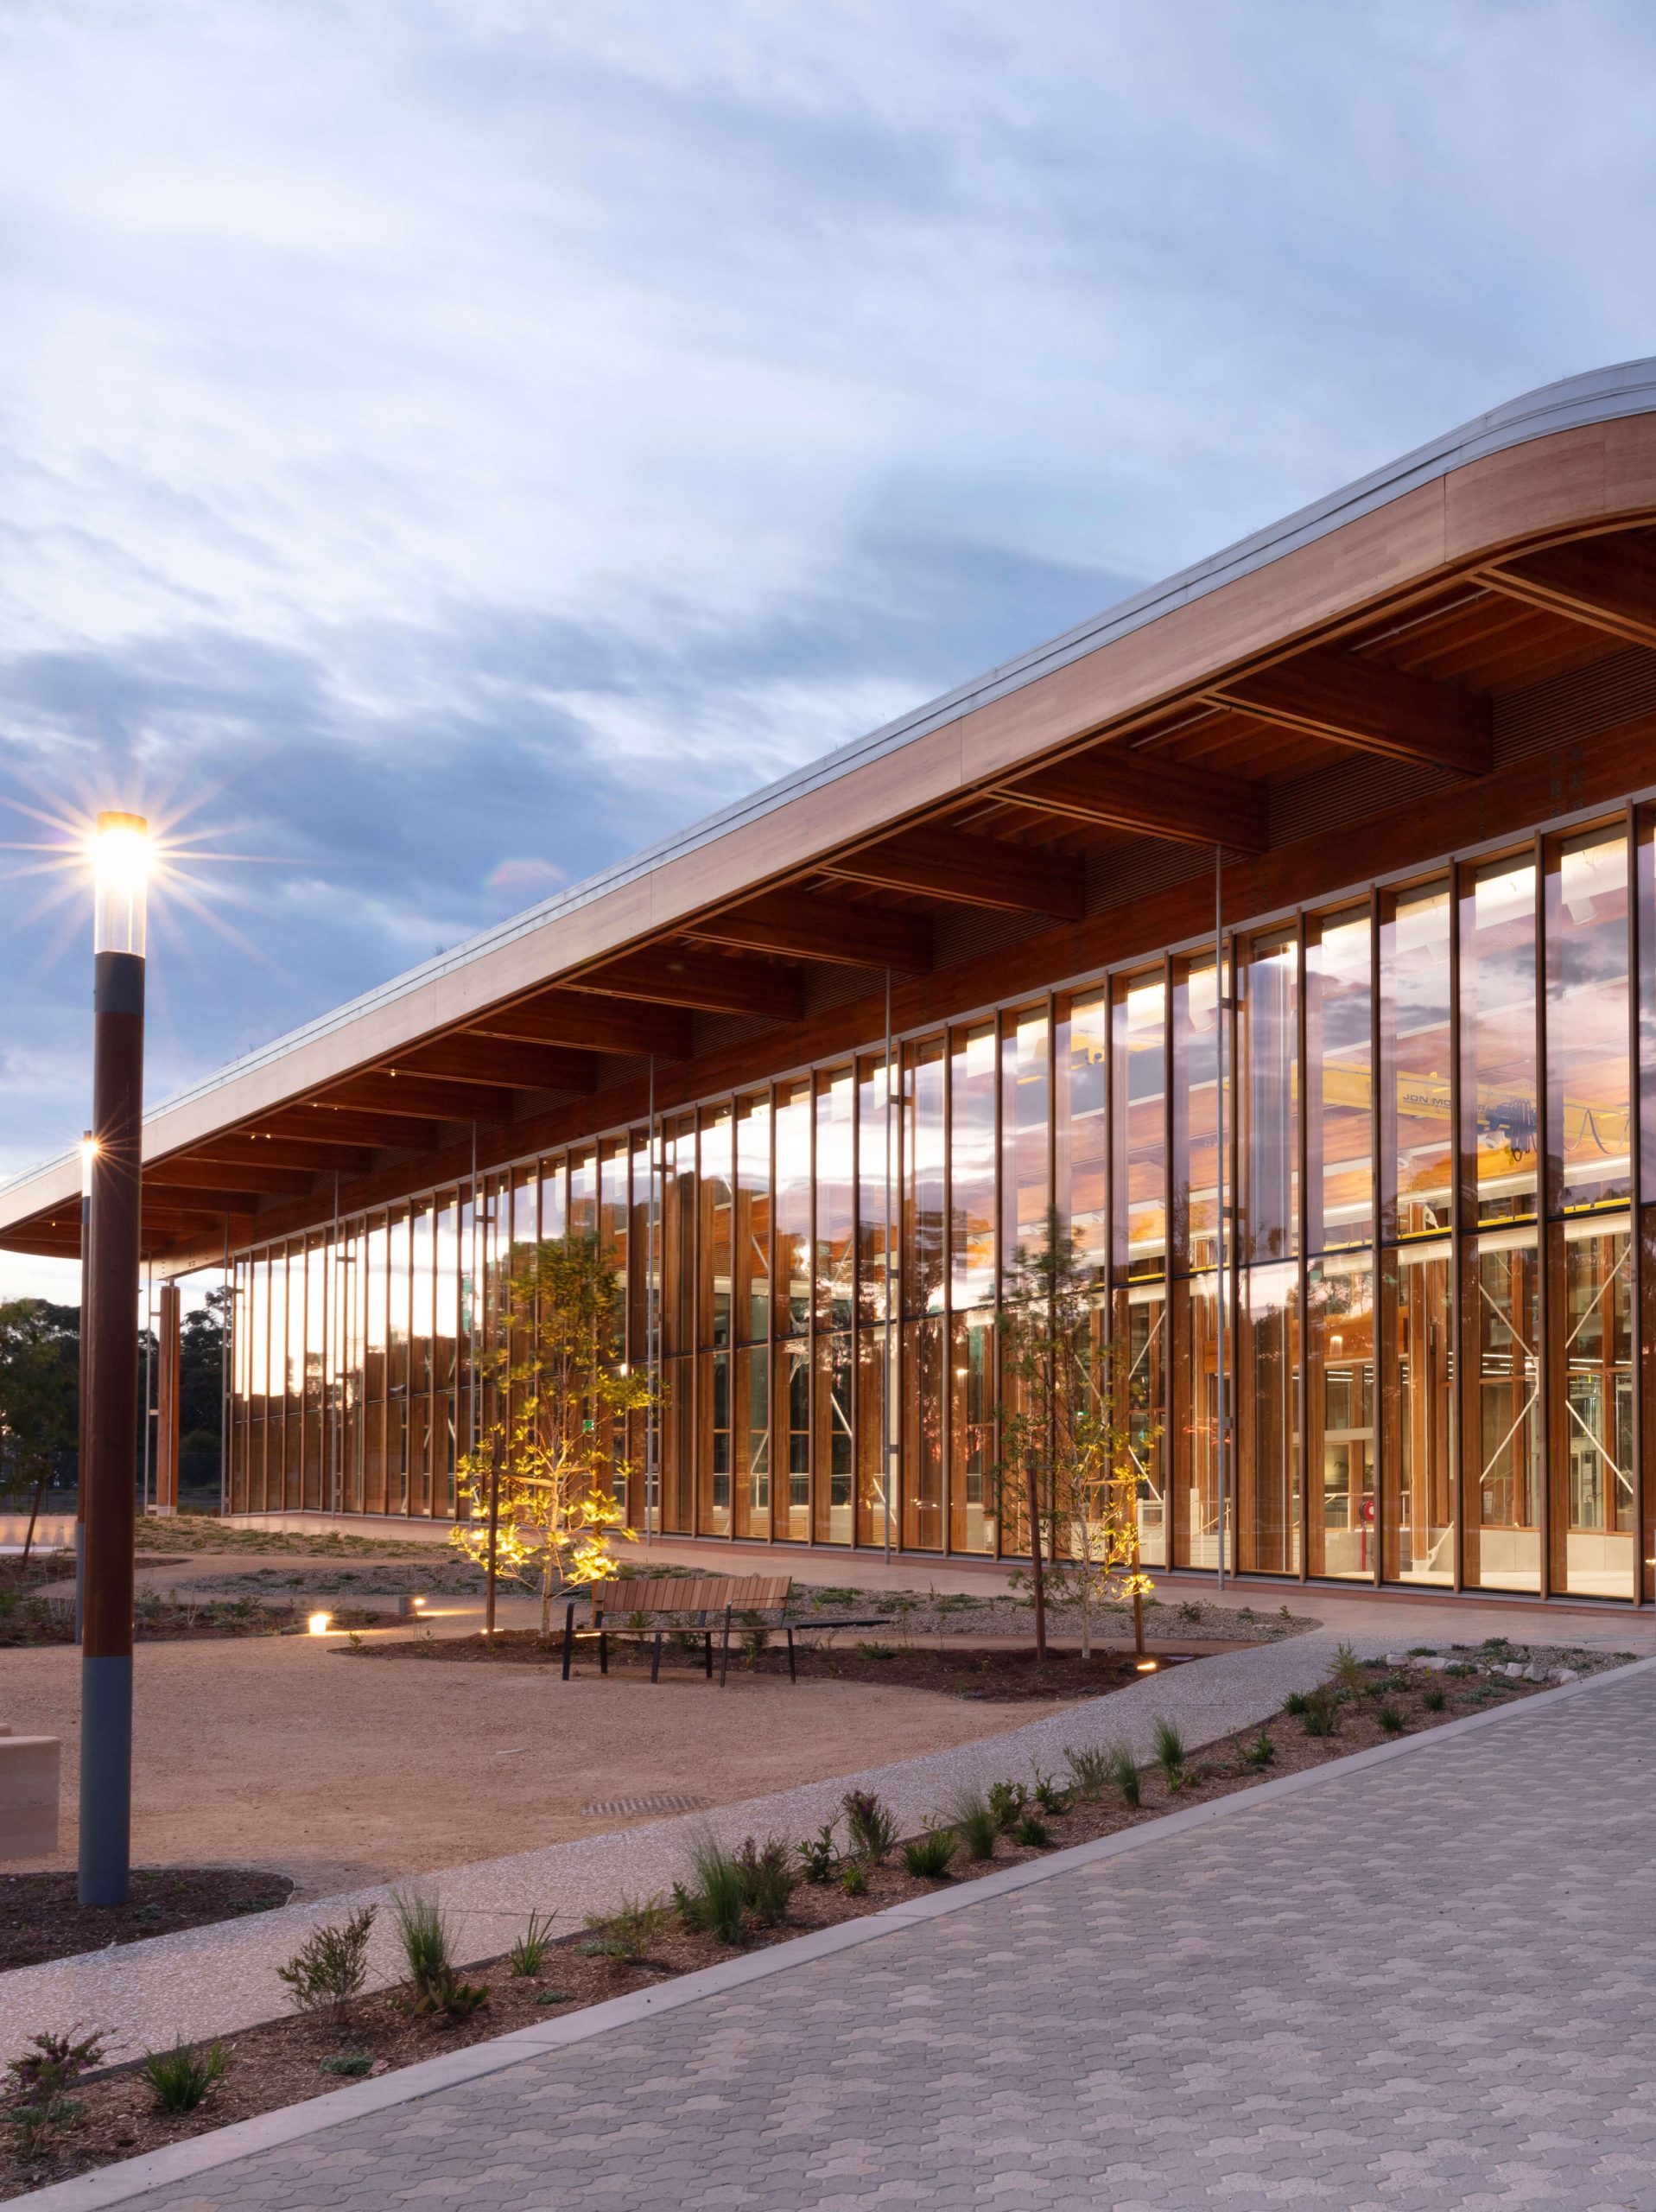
[179,2163]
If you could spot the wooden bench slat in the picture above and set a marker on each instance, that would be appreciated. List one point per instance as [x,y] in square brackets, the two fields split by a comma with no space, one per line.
[685,1594]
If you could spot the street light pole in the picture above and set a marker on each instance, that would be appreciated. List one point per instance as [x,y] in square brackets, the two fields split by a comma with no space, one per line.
[111,1276]
[88,1153]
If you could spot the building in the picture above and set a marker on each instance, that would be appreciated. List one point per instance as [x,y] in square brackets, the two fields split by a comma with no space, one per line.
[814,1069]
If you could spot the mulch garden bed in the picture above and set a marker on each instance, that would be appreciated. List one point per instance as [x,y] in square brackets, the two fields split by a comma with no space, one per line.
[989,1674]
[41,1917]
[288,2061]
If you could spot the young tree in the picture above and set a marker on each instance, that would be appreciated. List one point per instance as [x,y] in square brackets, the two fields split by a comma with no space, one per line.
[1060,1449]
[540,1481]
[39,1394]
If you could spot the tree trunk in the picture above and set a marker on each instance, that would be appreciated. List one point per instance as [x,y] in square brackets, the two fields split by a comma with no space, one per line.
[494,1542]
[1036,1570]
[34,1516]
[1138,1595]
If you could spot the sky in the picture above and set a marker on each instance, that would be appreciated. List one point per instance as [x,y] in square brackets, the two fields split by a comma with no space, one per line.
[445,446]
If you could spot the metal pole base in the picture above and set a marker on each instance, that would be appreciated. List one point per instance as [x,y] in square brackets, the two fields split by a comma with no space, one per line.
[105,1780]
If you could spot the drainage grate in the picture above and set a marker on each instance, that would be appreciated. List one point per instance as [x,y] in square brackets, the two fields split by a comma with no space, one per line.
[647,1805]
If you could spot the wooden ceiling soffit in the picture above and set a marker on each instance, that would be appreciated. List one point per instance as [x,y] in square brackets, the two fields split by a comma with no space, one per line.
[703,979]
[167,1202]
[255,1175]
[580,1022]
[971,871]
[422,1098]
[1334,695]
[1609,583]
[829,930]
[354,1126]
[1141,792]
[247,1148]
[470,1059]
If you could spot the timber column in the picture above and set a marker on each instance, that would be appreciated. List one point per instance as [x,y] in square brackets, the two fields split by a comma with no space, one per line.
[167,1394]
[112,1423]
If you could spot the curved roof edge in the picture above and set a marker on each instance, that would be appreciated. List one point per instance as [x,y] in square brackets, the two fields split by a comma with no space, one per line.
[1596,396]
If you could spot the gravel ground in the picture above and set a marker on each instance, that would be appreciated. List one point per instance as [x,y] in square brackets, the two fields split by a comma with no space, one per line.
[206,1980]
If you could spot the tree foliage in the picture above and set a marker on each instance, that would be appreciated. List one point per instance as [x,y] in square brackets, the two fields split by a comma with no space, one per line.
[1060,1449]
[40,1356]
[539,1485]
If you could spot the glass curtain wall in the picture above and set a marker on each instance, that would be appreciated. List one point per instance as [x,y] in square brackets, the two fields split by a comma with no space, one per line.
[1432,1303]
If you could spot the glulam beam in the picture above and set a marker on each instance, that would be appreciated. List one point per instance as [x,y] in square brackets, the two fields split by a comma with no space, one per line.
[471,1059]
[579,1022]
[1113,786]
[952,865]
[834,931]
[421,1098]
[1331,694]
[679,975]
[1609,584]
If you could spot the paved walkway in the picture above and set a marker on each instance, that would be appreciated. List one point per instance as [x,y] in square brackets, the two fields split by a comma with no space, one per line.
[1419,1983]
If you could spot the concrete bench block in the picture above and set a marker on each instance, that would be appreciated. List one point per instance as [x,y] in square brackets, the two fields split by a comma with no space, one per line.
[29,1796]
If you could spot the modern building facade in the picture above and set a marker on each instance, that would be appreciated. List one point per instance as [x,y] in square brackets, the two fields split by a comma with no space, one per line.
[1290,930]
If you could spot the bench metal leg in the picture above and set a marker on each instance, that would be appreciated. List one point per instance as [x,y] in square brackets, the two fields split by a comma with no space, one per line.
[603,1653]
[707,1652]
[793,1671]
[569,1637]
[655,1659]
[724,1651]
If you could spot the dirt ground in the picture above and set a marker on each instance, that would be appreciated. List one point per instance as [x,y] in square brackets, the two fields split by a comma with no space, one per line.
[291,1754]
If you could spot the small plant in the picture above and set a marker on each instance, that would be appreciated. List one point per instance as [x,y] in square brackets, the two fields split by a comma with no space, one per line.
[1008,1802]
[351,2065]
[1089,1772]
[1260,1751]
[870,1825]
[853,1880]
[755,1638]
[712,1902]
[554,1995]
[185,2076]
[1435,1699]
[45,2074]
[1321,1714]
[527,1954]
[1295,1704]
[1345,1671]
[1421,1651]
[1392,1718]
[817,1854]
[768,1878]
[926,1857]
[627,1933]
[329,1968]
[1190,1612]
[353,1637]
[1125,1775]
[973,1821]
[1033,1832]
[1171,1756]
[434,1986]
[1048,1795]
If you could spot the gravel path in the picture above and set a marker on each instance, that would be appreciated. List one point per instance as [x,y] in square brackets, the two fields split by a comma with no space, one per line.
[208,1981]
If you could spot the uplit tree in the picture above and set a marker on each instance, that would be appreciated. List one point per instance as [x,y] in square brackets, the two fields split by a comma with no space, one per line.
[40,1346]
[1061,1450]
[540,1483]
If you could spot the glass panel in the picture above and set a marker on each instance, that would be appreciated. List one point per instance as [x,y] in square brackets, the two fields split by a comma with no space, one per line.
[1592,1420]
[1140,1076]
[678,1236]
[713,1459]
[1195,1381]
[583,1194]
[753,1219]
[876,1199]
[793,1521]
[1503,1536]
[678,1441]
[1023,1128]
[1498,1034]
[1343,1534]
[715,1159]
[373,1269]
[972,1519]
[793,1188]
[1081,1136]
[555,1198]
[835,1198]
[1195,1116]
[1418,1048]
[922,1175]
[1268,1474]
[871,1456]
[315,1370]
[753,1436]
[833,1455]
[1269,1228]
[1589,1086]
[1417,1400]
[1140,1351]
[1339,1044]
[972,1184]
[923,1434]
[420,1359]
[612,1216]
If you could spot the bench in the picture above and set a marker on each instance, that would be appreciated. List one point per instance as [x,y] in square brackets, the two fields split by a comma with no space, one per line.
[711,1602]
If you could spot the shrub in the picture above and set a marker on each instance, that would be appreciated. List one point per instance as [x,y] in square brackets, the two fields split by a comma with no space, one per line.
[1033,1832]
[1007,1800]
[554,1995]
[185,2076]
[869,1823]
[527,1954]
[329,1969]
[755,1638]
[713,1901]
[926,1857]
[1435,1698]
[628,1932]
[1295,1704]
[1090,1772]
[768,1878]
[351,2065]
[1320,1715]
[972,1818]
[1392,1718]
[1260,1751]
[1345,1670]
[45,2074]
[427,1951]
[1125,1775]
[853,1880]
[1048,1795]
[817,1854]
[1170,1755]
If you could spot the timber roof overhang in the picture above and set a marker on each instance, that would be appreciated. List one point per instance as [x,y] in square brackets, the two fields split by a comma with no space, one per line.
[1388,623]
